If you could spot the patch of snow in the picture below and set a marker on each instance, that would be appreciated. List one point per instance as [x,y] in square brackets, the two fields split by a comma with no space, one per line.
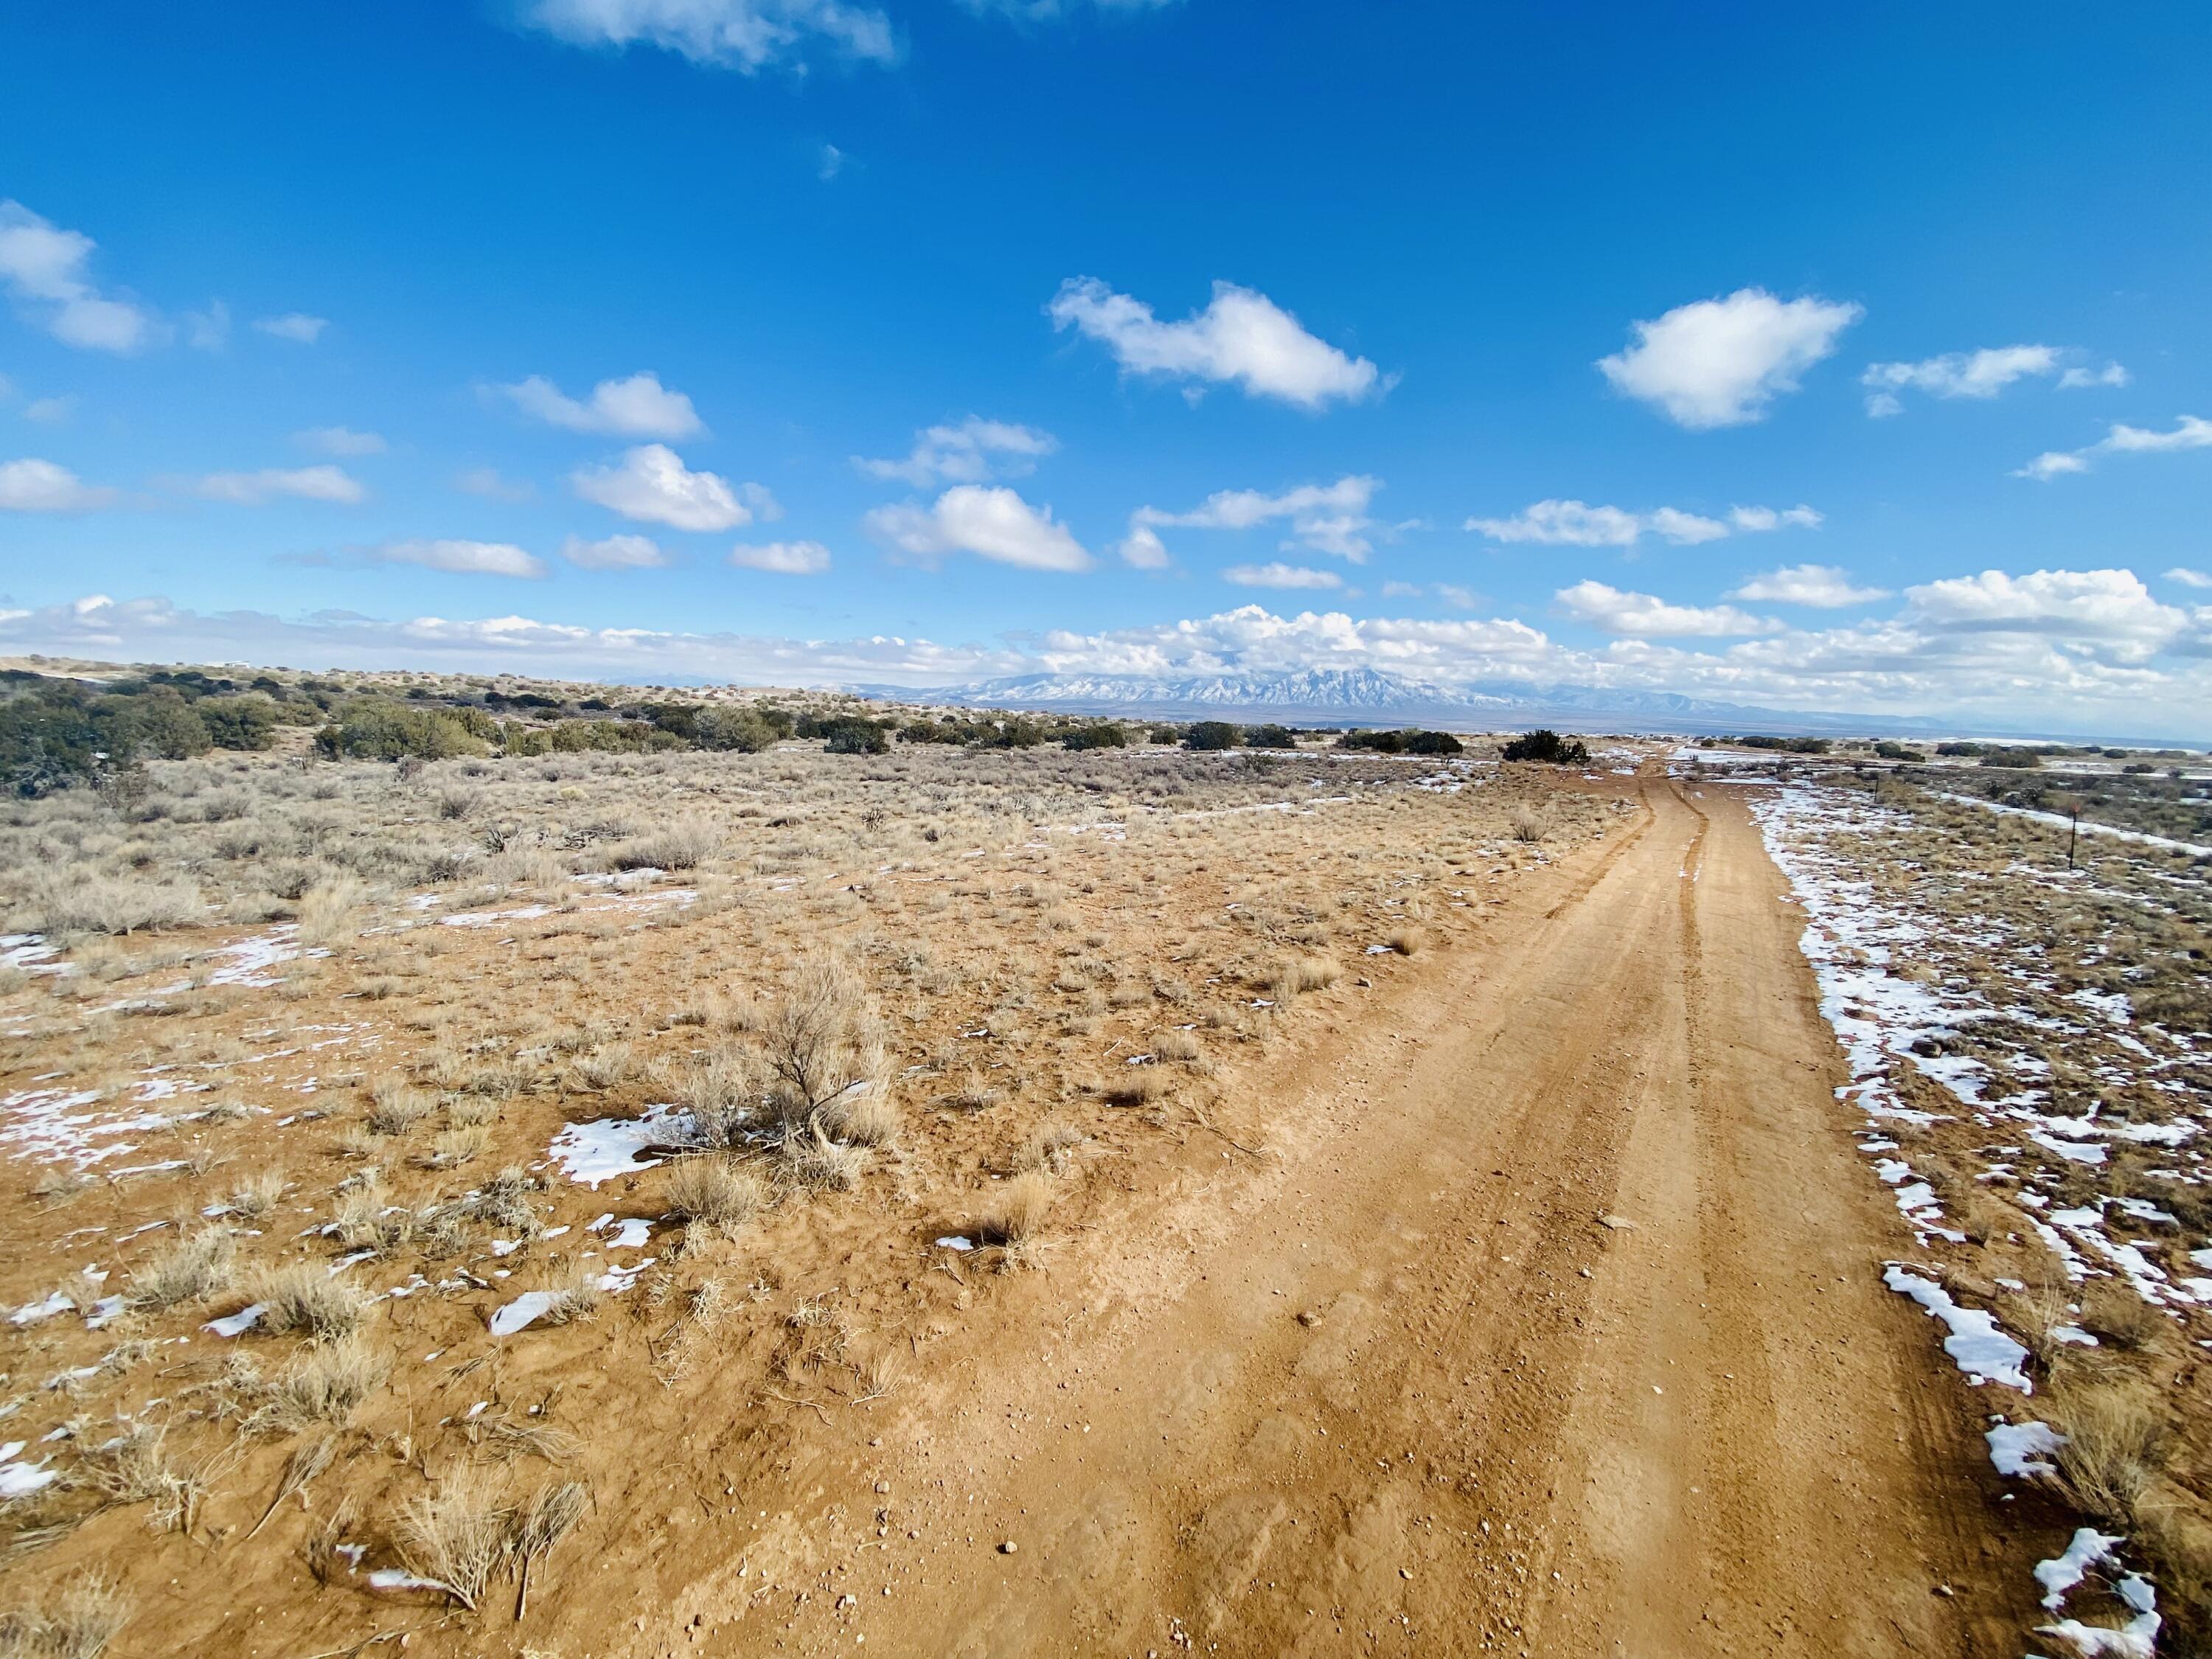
[1976,1343]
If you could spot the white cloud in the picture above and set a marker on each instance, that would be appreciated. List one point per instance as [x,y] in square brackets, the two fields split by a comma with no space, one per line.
[970,453]
[209,329]
[1982,374]
[992,523]
[472,558]
[1323,518]
[1644,616]
[1278,575]
[1044,11]
[2076,379]
[1820,587]
[829,163]
[35,486]
[294,325]
[485,481]
[614,553]
[1564,524]
[1143,550]
[652,485]
[783,558]
[1241,336]
[340,441]
[45,270]
[1578,524]
[746,35]
[638,407]
[1761,519]
[50,411]
[2188,433]
[2109,608]
[309,483]
[2190,577]
[1721,362]
[1686,529]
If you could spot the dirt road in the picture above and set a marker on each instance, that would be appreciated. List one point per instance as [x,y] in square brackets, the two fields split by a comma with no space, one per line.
[1394,1387]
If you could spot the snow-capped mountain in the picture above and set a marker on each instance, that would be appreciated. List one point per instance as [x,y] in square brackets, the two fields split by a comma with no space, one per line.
[1371,696]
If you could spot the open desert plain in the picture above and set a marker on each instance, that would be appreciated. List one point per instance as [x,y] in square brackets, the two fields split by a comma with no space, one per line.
[970,1200]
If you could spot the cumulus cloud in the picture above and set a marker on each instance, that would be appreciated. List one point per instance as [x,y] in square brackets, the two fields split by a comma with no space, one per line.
[1817,587]
[1577,524]
[1645,616]
[472,558]
[340,441]
[783,558]
[614,553]
[637,407]
[2188,433]
[306,483]
[294,325]
[991,523]
[1241,336]
[2111,609]
[1143,550]
[1721,362]
[1329,519]
[35,486]
[652,484]
[971,453]
[45,270]
[1278,575]
[746,35]
[1982,374]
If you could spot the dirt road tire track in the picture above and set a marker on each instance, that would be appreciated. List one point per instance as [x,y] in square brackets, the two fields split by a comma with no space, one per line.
[1399,1390]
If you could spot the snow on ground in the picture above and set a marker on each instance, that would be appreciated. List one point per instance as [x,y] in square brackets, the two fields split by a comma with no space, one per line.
[1971,1004]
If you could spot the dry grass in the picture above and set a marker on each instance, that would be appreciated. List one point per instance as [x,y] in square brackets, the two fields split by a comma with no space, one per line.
[862,1119]
[716,1194]
[809,1159]
[1408,941]
[306,1298]
[1047,1148]
[138,1467]
[2114,1313]
[326,1383]
[1133,1085]
[1013,1217]
[1526,824]
[192,1268]
[458,1535]
[258,1196]
[88,1614]
[397,1108]
[2113,1431]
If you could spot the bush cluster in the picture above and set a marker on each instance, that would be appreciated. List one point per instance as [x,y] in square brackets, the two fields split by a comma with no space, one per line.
[1545,744]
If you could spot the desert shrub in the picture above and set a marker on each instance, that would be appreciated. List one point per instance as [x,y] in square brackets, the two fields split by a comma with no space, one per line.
[1434,742]
[739,729]
[63,906]
[810,1159]
[1270,737]
[866,1117]
[1013,1217]
[458,1536]
[1526,824]
[680,844]
[1547,746]
[853,736]
[246,722]
[1212,735]
[820,1041]
[377,728]
[721,1090]
[1102,734]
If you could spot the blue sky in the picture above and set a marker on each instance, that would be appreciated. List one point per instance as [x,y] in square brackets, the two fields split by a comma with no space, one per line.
[1838,360]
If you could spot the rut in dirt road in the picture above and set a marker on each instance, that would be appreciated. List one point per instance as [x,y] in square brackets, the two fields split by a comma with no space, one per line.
[1566,1339]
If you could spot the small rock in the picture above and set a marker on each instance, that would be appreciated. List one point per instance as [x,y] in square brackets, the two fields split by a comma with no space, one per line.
[1008,1547]
[1405,1572]
[882,1486]
[1619,1224]
[1309,1318]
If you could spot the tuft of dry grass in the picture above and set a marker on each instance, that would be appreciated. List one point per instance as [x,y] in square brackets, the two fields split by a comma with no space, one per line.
[325,1384]
[455,1147]
[1177,1044]
[1305,974]
[605,1068]
[713,1193]
[136,1467]
[1047,1147]
[721,1090]
[2110,1454]
[306,1298]
[1013,1218]
[1526,824]
[84,1618]
[1408,941]
[190,1268]
[1133,1085]
[67,905]
[458,1536]
[2114,1313]
[809,1159]
[864,1118]
[395,1107]
[258,1196]
[575,1297]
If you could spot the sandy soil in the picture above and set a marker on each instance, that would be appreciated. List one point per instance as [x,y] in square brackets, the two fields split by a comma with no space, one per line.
[1395,1384]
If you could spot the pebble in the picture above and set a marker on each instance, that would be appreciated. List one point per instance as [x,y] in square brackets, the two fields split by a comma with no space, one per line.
[1008,1547]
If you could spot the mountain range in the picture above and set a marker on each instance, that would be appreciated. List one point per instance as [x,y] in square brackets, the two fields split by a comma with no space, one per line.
[1370,696]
